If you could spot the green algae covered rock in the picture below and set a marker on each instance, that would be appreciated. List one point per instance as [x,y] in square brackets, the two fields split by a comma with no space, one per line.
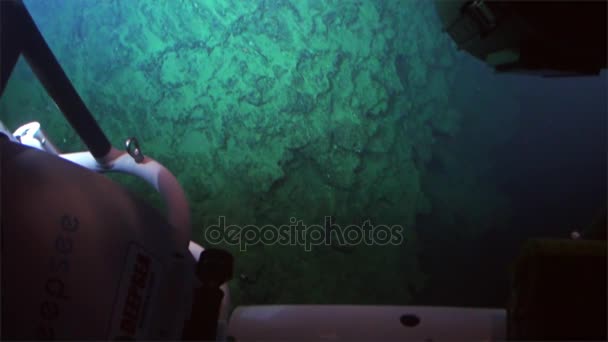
[268,110]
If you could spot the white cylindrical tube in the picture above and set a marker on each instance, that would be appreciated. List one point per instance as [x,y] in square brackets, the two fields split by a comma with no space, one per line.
[369,323]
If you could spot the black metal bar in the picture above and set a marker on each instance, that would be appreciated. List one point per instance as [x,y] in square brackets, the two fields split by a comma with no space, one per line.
[51,75]
[10,49]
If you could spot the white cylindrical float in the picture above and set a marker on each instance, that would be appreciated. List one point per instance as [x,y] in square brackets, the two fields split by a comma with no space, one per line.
[361,322]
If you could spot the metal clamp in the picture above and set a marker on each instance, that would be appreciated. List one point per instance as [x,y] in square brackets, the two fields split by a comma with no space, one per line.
[133,149]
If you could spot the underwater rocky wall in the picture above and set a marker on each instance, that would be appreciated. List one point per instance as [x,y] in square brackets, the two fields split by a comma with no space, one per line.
[267,110]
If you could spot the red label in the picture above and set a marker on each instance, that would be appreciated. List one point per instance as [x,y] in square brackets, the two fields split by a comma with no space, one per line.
[137,288]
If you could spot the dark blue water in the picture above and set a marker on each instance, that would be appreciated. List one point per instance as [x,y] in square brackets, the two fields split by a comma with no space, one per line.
[551,165]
